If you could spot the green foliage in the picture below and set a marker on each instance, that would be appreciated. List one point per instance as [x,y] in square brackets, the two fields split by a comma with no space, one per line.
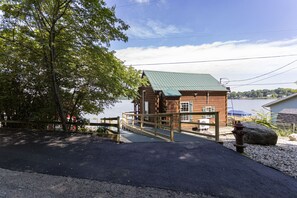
[54,59]
[264,119]
[101,130]
[284,129]
[264,93]
[283,132]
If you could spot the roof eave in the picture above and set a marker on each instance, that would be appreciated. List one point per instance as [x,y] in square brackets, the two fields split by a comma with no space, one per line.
[279,100]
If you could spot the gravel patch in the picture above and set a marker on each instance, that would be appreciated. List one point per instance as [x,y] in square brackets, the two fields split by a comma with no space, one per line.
[282,156]
[22,184]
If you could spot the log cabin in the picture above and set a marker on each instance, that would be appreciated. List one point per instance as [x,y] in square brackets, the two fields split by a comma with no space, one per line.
[171,92]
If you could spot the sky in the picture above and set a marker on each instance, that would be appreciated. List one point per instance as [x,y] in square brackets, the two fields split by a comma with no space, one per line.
[247,44]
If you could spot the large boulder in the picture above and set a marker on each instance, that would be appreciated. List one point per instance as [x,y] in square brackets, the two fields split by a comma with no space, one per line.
[258,134]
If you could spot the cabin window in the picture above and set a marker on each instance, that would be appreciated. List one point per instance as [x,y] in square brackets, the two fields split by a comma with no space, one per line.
[146,107]
[185,108]
[208,109]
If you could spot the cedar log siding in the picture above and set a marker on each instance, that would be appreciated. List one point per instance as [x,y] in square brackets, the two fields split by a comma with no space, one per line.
[149,96]
[216,99]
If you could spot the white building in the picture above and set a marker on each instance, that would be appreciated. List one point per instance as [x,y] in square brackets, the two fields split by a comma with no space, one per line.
[284,109]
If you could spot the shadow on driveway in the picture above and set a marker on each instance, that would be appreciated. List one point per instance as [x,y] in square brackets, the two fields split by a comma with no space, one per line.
[197,167]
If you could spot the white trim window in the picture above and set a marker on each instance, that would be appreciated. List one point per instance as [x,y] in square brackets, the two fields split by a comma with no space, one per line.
[185,108]
[146,109]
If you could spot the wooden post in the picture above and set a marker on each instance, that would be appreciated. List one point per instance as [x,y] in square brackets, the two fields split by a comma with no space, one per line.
[171,128]
[141,120]
[119,126]
[119,130]
[217,127]
[155,123]
[133,119]
[179,122]
[143,109]
[125,120]
[293,127]
[158,122]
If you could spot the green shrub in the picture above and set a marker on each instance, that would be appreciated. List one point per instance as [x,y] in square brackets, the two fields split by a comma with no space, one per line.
[102,130]
[264,119]
[283,132]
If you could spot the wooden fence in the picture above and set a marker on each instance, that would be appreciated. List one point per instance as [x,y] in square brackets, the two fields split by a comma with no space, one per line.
[111,125]
[136,123]
[168,121]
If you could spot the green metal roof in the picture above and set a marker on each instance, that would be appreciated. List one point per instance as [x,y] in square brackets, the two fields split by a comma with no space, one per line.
[171,92]
[170,83]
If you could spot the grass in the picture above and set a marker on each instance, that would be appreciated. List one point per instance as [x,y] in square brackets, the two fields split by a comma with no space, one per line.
[283,132]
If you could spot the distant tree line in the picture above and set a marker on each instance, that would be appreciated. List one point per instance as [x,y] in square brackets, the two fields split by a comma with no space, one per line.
[262,93]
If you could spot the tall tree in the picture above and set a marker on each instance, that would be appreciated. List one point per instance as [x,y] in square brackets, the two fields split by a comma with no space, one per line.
[67,50]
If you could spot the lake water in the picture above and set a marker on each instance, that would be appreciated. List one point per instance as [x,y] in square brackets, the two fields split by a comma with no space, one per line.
[249,106]
[116,110]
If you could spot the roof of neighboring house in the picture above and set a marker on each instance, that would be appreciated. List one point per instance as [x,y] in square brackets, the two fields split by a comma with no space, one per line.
[280,100]
[170,83]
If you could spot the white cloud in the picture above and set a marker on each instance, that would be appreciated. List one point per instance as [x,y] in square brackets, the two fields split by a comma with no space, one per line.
[240,69]
[153,29]
[141,1]
[157,2]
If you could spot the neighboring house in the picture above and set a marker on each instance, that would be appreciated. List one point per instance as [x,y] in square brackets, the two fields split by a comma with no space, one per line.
[284,109]
[170,92]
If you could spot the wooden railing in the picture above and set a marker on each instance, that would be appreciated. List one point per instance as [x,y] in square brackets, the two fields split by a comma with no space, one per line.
[108,122]
[111,125]
[161,121]
[215,124]
[169,121]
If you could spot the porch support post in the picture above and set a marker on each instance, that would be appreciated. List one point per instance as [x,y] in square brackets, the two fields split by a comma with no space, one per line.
[171,128]
[143,109]
[217,127]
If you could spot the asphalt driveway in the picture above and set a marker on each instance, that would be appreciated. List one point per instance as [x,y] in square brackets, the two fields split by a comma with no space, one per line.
[198,167]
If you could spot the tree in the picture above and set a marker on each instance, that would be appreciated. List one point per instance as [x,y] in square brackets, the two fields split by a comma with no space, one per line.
[61,50]
[265,93]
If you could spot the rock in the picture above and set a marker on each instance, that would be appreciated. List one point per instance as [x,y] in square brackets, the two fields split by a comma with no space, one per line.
[258,134]
[293,137]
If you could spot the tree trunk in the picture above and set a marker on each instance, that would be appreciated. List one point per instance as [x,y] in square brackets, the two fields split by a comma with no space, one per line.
[55,86]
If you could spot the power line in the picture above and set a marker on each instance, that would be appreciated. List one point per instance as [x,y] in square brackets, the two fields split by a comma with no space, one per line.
[286,65]
[215,60]
[252,83]
[284,83]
